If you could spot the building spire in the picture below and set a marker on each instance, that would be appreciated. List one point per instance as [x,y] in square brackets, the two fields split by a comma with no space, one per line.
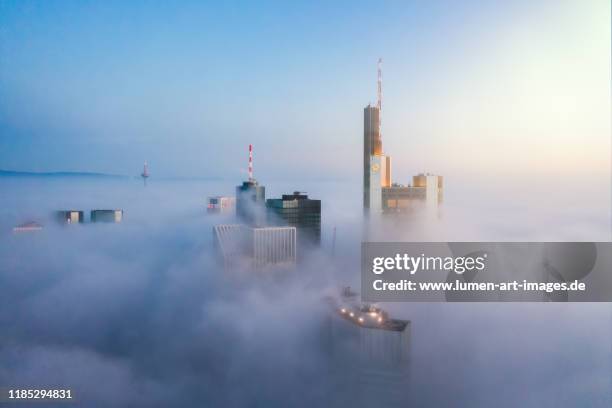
[379,103]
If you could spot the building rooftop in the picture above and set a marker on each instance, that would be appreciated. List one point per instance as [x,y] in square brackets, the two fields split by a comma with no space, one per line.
[250,183]
[297,195]
[364,314]
[296,200]
[372,317]
[28,226]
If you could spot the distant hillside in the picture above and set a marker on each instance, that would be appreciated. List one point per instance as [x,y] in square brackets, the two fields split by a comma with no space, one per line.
[9,173]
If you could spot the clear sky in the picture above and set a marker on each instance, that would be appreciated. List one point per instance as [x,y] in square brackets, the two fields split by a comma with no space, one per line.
[470,87]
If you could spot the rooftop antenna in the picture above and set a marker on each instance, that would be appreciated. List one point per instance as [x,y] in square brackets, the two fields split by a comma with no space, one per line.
[251,163]
[379,103]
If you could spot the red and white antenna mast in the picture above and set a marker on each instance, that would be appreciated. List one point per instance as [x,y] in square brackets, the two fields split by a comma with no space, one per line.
[251,162]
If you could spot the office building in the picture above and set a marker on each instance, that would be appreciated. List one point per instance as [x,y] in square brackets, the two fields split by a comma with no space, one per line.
[242,246]
[273,246]
[369,356]
[251,198]
[108,216]
[250,202]
[230,242]
[70,216]
[299,211]
[221,204]
[380,195]
[376,166]
[426,192]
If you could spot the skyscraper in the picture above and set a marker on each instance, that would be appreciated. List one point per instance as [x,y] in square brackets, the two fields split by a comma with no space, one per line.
[380,195]
[250,202]
[111,216]
[241,246]
[70,217]
[369,355]
[251,198]
[273,246]
[371,131]
[376,166]
[372,145]
[297,210]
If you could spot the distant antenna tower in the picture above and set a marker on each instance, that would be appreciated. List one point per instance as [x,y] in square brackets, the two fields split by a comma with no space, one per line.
[145,172]
[251,163]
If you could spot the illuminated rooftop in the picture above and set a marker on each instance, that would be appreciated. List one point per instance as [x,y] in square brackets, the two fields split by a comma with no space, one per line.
[366,315]
[372,317]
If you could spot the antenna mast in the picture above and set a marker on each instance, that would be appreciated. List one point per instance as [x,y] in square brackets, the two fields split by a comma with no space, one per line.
[379,83]
[145,171]
[379,103]
[251,162]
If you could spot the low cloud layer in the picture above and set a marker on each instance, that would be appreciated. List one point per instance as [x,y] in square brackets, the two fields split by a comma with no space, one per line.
[139,314]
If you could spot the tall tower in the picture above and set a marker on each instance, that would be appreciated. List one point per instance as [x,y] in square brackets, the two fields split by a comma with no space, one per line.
[145,173]
[372,148]
[376,166]
[251,198]
[369,352]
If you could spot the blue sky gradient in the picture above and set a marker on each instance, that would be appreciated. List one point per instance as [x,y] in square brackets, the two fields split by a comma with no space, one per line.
[103,86]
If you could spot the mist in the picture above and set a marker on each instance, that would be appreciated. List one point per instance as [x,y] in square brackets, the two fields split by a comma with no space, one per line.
[141,314]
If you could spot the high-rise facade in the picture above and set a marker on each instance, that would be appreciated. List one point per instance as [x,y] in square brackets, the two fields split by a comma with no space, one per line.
[376,166]
[241,246]
[251,198]
[380,195]
[297,210]
[370,357]
[371,143]
[372,140]
[250,202]
[273,246]
[221,204]
[426,192]
[70,217]
[110,216]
